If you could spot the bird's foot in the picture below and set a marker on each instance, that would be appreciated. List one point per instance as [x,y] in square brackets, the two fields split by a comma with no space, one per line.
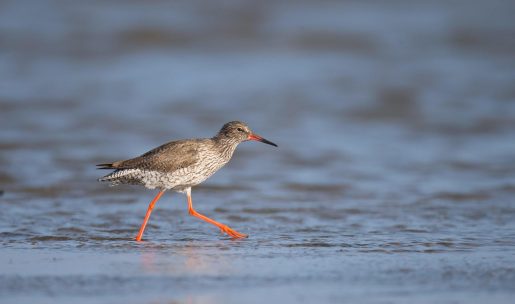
[232,233]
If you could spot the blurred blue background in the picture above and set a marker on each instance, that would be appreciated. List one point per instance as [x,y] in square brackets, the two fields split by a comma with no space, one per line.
[85,81]
[394,121]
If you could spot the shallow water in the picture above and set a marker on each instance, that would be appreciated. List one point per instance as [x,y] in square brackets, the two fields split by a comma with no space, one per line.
[393,181]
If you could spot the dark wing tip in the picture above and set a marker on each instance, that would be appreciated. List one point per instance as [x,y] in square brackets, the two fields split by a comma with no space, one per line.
[105,166]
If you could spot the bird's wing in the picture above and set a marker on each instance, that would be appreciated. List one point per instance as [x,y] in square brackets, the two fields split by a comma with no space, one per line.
[166,158]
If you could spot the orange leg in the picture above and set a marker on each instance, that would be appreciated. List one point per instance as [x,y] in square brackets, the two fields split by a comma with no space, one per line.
[224,228]
[147,216]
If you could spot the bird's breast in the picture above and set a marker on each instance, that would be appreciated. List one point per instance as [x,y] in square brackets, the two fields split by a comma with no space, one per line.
[207,163]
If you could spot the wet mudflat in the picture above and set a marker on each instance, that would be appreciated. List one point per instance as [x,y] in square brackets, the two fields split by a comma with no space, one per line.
[394,180]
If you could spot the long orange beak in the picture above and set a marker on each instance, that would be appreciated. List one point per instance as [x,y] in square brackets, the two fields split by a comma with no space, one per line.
[261,139]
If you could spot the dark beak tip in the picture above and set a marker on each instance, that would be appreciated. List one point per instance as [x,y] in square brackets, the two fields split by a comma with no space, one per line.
[269,143]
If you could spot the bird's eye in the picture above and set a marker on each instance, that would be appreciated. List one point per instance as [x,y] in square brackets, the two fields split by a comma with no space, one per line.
[240,129]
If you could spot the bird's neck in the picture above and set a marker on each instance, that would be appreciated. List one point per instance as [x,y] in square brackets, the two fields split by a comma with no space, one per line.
[225,145]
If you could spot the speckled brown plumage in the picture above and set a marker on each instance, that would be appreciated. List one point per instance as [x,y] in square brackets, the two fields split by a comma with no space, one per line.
[180,165]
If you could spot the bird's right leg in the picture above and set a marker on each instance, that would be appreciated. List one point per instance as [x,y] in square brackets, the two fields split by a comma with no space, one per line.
[224,228]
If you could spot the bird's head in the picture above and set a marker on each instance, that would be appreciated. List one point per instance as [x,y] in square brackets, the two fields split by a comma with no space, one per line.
[239,131]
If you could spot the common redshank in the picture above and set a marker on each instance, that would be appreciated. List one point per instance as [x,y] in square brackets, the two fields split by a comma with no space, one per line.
[180,165]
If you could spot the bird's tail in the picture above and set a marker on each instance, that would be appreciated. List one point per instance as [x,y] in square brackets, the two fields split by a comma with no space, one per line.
[123,176]
[108,177]
[111,177]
